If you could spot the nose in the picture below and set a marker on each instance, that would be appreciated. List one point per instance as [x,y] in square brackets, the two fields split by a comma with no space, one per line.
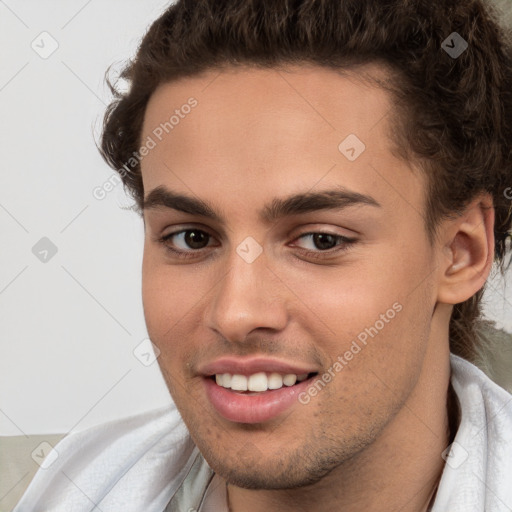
[249,297]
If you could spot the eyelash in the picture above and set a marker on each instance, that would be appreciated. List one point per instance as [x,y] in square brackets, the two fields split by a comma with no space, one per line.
[346,244]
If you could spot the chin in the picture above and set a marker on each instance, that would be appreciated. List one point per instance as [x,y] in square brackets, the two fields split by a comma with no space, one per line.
[264,479]
[255,472]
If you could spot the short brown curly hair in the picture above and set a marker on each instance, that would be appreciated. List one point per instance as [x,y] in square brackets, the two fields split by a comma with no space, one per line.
[453,116]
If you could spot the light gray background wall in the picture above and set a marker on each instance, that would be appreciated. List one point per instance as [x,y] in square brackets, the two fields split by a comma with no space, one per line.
[70,321]
[68,325]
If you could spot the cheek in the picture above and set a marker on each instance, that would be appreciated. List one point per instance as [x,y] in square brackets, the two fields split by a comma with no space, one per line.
[375,312]
[351,297]
[168,291]
[170,299]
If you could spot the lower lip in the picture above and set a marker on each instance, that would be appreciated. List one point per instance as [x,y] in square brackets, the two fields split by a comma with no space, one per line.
[264,406]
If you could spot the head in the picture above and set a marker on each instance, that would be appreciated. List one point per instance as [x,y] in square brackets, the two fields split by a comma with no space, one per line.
[342,118]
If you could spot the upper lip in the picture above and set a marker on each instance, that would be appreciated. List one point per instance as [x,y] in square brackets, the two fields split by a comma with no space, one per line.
[248,366]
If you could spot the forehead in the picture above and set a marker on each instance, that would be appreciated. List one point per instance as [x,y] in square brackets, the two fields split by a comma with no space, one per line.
[277,131]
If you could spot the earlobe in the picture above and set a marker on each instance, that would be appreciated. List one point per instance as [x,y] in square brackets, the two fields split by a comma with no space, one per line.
[469,251]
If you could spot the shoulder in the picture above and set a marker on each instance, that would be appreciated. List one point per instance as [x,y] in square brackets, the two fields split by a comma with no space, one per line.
[485,405]
[478,465]
[135,463]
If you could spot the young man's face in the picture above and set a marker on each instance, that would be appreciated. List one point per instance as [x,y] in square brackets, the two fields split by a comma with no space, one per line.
[250,292]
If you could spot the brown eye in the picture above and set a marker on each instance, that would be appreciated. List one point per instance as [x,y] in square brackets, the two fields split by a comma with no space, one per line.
[323,241]
[196,239]
[187,239]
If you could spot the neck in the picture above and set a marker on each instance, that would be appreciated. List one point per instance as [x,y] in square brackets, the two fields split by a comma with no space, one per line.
[400,470]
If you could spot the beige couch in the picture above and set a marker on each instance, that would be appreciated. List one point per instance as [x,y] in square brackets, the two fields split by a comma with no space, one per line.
[18,467]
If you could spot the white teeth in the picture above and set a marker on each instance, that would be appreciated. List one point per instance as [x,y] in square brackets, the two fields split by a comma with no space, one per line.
[239,382]
[290,379]
[275,381]
[258,382]
[226,380]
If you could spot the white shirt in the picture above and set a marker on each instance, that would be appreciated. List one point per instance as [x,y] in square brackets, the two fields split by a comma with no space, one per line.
[148,462]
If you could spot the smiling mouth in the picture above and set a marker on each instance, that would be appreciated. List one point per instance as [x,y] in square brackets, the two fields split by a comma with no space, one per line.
[259,382]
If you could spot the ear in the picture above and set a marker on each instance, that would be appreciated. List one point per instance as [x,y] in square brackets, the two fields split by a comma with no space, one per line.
[467,247]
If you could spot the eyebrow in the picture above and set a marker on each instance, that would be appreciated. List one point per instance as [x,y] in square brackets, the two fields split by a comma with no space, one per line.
[334,199]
